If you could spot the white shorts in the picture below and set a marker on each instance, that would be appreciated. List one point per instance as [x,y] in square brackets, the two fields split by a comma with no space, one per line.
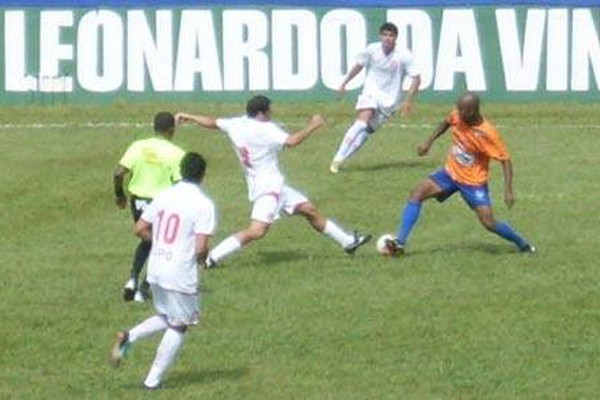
[382,112]
[269,207]
[179,308]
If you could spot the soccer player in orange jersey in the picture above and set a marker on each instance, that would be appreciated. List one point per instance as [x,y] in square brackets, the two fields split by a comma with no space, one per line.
[474,142]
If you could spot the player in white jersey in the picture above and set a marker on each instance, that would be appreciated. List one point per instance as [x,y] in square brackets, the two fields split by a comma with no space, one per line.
[257,140]
[179,221]
[386,68]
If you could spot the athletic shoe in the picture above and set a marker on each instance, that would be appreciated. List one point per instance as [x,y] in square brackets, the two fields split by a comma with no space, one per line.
[529,248]
[139,297]
[209,263]
[359,240]
[119,349]
[145,290]
[335,167]
[395,248]
[129,290]
[157,387]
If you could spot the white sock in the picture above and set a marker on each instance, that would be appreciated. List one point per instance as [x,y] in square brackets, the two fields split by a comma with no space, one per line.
[336,233]
[353,140]
[147,328]
[165,354]
[225,248]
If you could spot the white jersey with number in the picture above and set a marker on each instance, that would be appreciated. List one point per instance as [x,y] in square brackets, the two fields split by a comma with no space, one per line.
[177,215]
[256,144]
[385,73]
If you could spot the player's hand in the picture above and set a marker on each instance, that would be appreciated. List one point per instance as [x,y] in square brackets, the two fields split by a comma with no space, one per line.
[121,202]
[423,149]
[509,199]
[406,108]
[182,118]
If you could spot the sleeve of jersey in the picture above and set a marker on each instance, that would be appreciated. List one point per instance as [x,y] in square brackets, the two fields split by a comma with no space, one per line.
[278,136]
[206,224]
[494,146]
[223,124]
[362,58]
[129,158]
[409,63]
[452,118]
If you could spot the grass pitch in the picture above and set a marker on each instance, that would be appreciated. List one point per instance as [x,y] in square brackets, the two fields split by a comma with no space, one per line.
[462,316]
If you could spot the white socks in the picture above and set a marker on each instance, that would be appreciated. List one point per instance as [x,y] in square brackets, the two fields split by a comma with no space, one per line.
[336,233]
[147,328]
[225,248]
[353,140]
[165,354]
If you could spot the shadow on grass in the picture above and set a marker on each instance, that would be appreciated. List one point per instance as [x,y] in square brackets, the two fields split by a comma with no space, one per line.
[207,376]
[478,247]
[280,256]
[429,164]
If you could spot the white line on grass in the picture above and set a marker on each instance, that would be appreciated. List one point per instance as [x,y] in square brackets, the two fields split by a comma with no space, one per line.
[145,125]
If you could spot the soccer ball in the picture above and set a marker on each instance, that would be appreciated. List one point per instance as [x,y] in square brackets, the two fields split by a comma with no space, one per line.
[381,244]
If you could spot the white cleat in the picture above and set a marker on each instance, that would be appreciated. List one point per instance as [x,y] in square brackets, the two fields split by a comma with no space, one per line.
[138,297]
[335,167]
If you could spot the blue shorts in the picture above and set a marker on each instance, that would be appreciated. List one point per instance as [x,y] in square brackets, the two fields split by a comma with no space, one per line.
[473,195]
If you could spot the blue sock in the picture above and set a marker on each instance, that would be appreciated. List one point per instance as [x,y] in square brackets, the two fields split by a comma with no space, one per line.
[504,230]
[410,215]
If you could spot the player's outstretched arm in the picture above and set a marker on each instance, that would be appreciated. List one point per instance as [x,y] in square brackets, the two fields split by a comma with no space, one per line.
[315,122]
[424,147]
[509,197]
[353,72]
[202,120]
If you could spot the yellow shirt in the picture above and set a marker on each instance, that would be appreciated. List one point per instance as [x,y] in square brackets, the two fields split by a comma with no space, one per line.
[154,165]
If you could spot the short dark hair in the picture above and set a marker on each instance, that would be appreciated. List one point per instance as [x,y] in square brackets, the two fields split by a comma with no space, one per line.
[258,104]
[193,167]
[164,122]
[388,26]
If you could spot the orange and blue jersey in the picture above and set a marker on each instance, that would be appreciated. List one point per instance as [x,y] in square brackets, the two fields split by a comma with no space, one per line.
[472,148]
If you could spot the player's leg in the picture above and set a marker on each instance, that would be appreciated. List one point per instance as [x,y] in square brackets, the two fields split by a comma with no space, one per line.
[264,212]
[485,215]
[354,138]
[295,203]
[166,352]
[142,251]
[147,328]
[124,339]
[478,198]
[439,185]
[181,311]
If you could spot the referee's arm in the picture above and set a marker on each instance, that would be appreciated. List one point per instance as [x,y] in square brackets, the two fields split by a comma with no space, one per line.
[118,178]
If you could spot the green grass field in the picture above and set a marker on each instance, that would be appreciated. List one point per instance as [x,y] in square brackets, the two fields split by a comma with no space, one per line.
[462,316]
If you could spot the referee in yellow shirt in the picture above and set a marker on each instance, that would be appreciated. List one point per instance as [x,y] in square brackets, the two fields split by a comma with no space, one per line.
[153,165]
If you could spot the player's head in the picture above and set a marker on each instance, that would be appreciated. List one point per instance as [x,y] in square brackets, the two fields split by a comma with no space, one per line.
[164,123]
[468,108]
[192,167]
[388,33]
[258,105]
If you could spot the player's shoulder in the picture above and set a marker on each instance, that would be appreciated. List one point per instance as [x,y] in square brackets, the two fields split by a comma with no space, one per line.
[403,53]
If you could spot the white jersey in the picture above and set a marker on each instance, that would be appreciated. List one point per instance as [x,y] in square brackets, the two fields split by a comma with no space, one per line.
[385,73]
[177,215]
[256,144]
